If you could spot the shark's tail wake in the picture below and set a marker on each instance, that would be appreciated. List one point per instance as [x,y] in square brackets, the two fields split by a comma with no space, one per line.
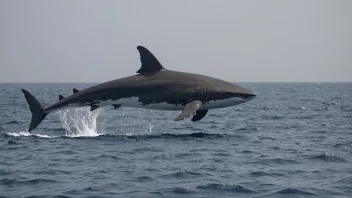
[37,109]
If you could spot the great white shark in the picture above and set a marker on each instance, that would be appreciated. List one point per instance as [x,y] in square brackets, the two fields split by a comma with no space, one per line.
[154,87]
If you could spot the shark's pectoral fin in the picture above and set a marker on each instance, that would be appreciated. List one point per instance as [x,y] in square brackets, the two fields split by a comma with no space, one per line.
[75,90]
[93,107]
[61,97]
[199,115]
[189,109]
[116,106]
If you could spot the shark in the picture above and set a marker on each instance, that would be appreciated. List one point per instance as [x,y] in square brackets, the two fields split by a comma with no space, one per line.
[153,87]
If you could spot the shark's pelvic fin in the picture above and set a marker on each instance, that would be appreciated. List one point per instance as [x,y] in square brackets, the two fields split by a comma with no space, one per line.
[75,90]
[189,109]
[61,97]
[93,107]
[149,62]
[116,106]
[199,115]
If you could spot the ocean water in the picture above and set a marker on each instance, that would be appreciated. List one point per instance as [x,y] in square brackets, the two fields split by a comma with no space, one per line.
[292,140]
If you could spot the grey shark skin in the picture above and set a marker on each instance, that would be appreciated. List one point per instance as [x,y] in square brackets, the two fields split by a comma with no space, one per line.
[154,87]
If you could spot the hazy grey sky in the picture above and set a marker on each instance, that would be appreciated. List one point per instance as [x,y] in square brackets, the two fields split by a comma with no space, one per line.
[240,41]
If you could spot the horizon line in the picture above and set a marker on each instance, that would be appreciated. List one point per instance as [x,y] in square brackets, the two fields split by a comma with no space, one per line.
[229,81]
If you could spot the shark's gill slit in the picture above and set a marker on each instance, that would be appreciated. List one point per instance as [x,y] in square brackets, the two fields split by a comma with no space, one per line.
[81,121]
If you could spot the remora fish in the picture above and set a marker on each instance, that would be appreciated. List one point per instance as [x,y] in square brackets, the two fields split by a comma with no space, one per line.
[154,87]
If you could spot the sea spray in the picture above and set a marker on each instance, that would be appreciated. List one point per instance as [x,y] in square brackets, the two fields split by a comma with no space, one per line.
[81,122]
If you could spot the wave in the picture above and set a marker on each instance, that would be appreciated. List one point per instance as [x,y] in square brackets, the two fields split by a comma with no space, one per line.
[343,145]
[104,156]
[144,179]
[336,98]
[125,136]
[279,161]
[266,138]
[329,158]
[179,190]
[263,174]
[225,187]
[48,196]
[52,172]
[27,182]
[288,191]
[347,180]
[12,142]
[13,122]
[329,103]
[182,174]
[246,151]
[4,172]
[193,135]
[272,117]
[25,133]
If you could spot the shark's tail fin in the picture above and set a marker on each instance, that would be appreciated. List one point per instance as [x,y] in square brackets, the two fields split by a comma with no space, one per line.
[38,113]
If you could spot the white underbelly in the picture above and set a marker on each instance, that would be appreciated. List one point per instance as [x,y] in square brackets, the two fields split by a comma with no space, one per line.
[217,104]
[133,102]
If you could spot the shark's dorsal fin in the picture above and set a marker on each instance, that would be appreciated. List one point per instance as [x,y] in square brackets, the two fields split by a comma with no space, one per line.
[75,90]
[149,62]
[61,97]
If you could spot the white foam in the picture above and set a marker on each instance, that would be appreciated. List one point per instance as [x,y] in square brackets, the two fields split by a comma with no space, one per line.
[77,122]
[26,133]
[81,122]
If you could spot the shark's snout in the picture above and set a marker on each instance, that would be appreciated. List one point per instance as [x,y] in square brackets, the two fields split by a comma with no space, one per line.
[250,97]
[247,95]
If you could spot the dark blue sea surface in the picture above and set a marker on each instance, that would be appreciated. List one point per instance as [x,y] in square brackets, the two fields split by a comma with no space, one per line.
[292,140]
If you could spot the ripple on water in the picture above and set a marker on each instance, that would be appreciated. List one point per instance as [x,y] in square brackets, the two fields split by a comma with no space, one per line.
[143,179]
[246,151]
[266,138]
[235,188]
[184,155]
[48,196]
[179,190]
[10,182]
[293,191]
[343,145]
[222,154]
[106,156]
[329,158]
[67,152]
[52,172]
[263,174]
[278,161]
[182,174]
[346,180]
[13,122]
[4,172]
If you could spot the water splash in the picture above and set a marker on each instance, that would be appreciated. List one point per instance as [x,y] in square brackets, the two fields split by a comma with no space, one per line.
[149,128]
[81,122]
[26,133]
